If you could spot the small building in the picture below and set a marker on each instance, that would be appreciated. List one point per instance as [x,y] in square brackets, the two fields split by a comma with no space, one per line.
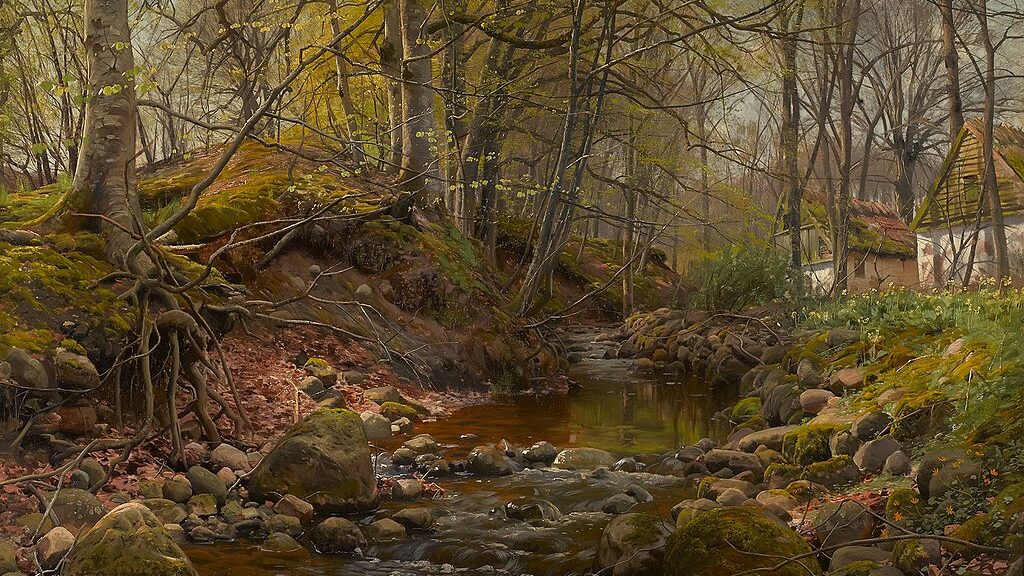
[953,223]
[881,250]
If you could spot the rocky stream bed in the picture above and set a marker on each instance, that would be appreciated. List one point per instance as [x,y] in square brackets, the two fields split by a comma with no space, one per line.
[707,448]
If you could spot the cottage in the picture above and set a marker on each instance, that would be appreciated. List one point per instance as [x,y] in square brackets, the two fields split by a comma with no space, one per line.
[953,224]
[881,247]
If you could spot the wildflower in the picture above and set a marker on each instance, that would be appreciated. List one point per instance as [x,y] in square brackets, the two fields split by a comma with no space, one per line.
[949,509]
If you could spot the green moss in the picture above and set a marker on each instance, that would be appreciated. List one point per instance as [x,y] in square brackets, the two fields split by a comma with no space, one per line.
[786,471]
[825,472]
[729,541]
[746,409]
[810,443]
[979,529]
[393,411]
[647,530]
[904,506]
[858,568]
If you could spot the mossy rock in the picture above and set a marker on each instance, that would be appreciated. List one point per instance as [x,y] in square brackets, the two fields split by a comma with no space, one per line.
[783,473]
[904,507]
[809,444]
[746,409]
[836,471]
[127,542]
[978,529]
[755,422]
[394,410]
[728,541]
[858,568]
[324,460]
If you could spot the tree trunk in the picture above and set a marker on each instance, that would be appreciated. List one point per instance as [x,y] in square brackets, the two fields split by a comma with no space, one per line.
[951,59]
[990,181]
[355,140]
[847,102]
[790,140]
[419,170]
[105,178]
[390,63]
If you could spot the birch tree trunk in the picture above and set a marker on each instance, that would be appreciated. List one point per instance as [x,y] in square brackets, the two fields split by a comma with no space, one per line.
[419,167]
[104,183]
[390,63]
[991,183]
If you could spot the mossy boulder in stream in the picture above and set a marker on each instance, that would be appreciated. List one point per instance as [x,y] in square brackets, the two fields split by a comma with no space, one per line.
[632,545]
[727,541]
[127,542]
[324,460]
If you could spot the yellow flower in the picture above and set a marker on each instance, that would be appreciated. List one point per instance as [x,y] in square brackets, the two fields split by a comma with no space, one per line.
[898,516]
[949,509]
[994,472]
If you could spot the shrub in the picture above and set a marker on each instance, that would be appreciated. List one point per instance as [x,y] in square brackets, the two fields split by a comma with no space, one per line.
[740,276]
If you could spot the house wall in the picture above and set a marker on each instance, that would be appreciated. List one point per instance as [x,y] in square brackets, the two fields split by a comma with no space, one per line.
[866,271]
[953,246]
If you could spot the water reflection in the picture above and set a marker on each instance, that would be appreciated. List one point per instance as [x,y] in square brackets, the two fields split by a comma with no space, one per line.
[612,410]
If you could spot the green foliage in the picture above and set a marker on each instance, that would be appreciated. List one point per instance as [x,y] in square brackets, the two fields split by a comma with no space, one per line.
[810,443]
[739,276]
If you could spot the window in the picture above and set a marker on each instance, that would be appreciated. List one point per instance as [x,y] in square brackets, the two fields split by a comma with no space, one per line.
[859,270]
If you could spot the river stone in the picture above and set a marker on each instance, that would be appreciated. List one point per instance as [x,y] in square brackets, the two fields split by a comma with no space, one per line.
[292,505]
[78,479]
[385,529]
[26,370]
[202,505]
[227,476]
[618,504]
[844,443]
[20,237]
[376,426]
[320,369]
[403,424]
[779,498]
[383,394]
[849,554]
[870,425]
[781,404]
[631,545]
[312,386]
[74,371]
[284,523]
[583,459]
[414,518]
[541,452]
[814,400]
[337,536]
[403,457]
[734,541]
[323,459]
[93,468]
[8,557]
[490,461]
[150,489]
[421,444]
[76,509]
[714,487]
[528,508]
[206,482]
[841,336]
[53,546]
[128,541]
[683,511]
[770,437]
[734,460]
[897,464]
[837,523]
[872,455]
[847,379]
[280,543]
[731,497]
[227,456]
[177,489]
[406,489]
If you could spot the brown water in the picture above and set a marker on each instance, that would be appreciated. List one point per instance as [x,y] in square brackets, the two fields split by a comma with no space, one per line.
[612,409]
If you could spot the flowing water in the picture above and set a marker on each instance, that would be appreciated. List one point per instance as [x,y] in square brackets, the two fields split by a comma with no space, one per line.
[611,409]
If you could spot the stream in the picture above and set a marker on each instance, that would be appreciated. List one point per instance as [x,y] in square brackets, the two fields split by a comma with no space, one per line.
[611,409]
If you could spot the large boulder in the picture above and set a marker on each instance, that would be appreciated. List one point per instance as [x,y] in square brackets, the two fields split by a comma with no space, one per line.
[324,460]
[127,542]
[736,540]
[632,545]
[583,459]
[376,426]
